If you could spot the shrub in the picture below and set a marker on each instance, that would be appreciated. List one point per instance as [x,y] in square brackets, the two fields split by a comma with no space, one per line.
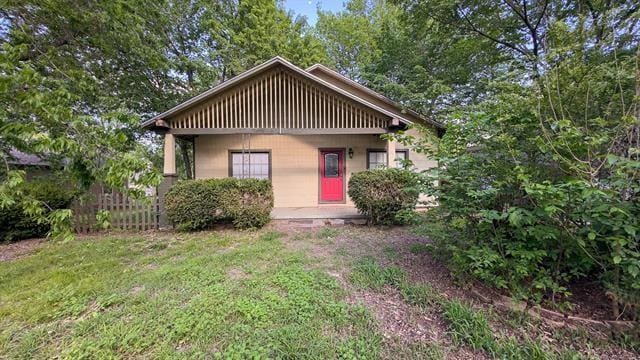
[16,225]
[199,204]
[381,194]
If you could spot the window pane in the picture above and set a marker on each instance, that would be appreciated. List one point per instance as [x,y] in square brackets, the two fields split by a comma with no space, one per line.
[253,165]
[400,157]
[331,165]
[377,159]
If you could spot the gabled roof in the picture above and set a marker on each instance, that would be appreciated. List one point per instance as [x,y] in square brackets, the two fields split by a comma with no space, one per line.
[268,65]
[17,157]
[399,108]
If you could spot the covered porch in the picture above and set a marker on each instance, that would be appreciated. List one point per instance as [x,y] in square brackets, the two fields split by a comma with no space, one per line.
[304,133]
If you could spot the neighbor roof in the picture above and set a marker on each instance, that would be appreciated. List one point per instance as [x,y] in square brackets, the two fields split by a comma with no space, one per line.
[17,157]
[306,74]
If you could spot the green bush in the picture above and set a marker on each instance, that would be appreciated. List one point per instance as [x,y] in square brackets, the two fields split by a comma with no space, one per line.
[199,204]
[382,194]
[16,225]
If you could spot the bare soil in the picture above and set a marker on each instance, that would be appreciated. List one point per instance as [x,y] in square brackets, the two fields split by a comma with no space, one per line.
[336,249]
[14,250]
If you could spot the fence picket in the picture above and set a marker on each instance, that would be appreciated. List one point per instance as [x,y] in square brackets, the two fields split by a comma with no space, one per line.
[126,213]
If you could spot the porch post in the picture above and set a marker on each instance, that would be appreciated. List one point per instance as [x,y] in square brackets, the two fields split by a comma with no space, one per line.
[391,153]
[169,154]
[170,177]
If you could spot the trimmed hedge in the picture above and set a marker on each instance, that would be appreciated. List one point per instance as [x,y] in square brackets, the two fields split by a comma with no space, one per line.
[381,194]
[16,225]
[199,204]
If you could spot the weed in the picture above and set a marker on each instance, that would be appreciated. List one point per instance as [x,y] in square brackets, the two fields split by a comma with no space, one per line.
[271,235]
[421,295]
[368,273]
[419,248]
[327,233]
[511,349]
[390,252]
[75,300]
[468,326]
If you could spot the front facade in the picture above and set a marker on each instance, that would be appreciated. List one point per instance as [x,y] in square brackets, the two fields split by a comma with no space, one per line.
[305,130]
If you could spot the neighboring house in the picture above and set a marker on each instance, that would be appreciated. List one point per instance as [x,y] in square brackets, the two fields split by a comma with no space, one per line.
[33,165]
[305,130]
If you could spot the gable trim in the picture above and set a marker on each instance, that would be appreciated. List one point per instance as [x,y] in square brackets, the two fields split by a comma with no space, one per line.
[336,75]
[262,67]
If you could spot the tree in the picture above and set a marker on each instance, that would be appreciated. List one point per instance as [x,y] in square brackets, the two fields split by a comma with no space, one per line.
[78,77]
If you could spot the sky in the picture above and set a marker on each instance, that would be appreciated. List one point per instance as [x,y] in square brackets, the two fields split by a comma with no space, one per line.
[309,8]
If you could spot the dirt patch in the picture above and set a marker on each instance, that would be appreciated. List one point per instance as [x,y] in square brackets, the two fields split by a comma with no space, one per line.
[236,274]
[397,319]
[336,248]
[19,249]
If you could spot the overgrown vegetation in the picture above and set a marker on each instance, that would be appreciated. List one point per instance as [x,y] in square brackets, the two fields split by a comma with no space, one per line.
[23,220]
[78,78]
[539,168]
[384,194]
[200,204]
[467,326]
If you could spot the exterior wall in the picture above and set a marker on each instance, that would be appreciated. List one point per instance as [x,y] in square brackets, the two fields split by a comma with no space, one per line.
[294,161]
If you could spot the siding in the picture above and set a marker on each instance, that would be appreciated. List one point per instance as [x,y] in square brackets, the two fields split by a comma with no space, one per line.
[294,161]
[279,101]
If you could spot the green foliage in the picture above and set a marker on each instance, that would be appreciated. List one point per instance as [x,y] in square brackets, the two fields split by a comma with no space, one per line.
[130,299]
[418,295]
[78,78]
[199,204]
[103,219]
[381,194]
[369,274]
[537,177]
[22,220]
[419,248]
[468,326]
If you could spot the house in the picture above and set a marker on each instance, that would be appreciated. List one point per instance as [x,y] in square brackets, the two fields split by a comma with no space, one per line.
[33,165]
[305,130]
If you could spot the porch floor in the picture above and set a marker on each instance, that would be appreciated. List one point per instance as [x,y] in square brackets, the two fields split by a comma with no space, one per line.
[318,212]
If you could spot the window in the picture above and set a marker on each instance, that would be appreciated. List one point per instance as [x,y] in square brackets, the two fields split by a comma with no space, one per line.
[256,165]
[378,158]
[331,164]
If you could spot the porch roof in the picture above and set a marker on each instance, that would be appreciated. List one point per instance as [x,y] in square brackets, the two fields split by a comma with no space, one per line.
[395,116]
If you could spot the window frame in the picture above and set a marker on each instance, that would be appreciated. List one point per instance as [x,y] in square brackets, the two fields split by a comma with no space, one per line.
[369,151]
[253,151]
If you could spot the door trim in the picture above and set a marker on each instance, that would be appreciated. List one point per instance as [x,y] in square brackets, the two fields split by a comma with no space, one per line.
[344,176]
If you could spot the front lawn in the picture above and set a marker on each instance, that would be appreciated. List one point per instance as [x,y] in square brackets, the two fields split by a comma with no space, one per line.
[277,293]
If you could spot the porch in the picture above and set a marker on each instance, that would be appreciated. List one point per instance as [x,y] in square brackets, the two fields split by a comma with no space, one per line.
[316,212]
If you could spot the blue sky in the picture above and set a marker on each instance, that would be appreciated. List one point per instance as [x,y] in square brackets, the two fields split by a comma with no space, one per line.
[308,8]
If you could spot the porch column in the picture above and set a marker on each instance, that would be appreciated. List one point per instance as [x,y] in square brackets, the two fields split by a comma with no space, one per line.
[169,154]
[391,153]
[170,178]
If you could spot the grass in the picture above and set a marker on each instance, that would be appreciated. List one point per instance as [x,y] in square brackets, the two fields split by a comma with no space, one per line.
[236,295]
[367,273]
[420,249]
[468,327]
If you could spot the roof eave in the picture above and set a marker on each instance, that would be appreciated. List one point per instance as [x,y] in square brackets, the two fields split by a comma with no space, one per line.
[377,95]
[274,61]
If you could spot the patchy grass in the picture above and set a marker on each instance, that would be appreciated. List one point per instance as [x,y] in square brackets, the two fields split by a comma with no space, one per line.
[420,295]
[328,293]
[369,274]
[420,248]
[468,327]
[173,297]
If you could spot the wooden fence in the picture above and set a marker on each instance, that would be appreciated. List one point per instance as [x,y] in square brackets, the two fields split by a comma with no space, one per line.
[126,213]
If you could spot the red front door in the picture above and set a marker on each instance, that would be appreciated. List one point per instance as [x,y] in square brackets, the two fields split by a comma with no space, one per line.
[332,175]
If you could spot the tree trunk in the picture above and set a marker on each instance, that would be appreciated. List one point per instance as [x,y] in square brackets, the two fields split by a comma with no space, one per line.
[184,150]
